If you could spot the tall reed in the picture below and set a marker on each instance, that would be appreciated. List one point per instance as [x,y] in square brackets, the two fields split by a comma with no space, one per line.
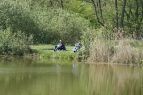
[103,49]
[125,53]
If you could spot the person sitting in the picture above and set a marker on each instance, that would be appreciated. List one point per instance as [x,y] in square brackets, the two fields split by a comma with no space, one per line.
[77,46]
[60,46]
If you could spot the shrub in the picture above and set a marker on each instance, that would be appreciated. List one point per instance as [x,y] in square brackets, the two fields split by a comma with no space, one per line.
[14,43]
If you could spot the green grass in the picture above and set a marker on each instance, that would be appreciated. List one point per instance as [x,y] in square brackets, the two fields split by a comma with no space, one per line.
[47,51]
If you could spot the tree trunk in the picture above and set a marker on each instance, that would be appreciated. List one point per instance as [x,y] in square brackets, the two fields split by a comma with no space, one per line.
[122,15]
[101,11]
[141,11]
[136,11]
[96,13]
[62,4]
[116,8]
[51,3]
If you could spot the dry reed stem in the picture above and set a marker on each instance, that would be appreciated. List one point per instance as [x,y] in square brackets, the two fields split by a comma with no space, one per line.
[123,52]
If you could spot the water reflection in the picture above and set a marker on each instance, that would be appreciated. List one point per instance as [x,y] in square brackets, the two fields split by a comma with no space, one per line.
[74,69]
[27,77]
[113,80]
[57,68]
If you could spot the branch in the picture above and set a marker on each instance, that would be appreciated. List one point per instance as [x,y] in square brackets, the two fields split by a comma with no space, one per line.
[97,13]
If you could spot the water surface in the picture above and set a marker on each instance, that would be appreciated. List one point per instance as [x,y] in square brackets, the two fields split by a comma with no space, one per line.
[22,76]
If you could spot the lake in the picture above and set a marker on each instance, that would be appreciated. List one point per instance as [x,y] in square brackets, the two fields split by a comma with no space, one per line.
[23,76]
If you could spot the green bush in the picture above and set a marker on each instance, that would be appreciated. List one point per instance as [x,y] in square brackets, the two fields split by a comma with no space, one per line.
[47,25]
[14,43]
[59,24]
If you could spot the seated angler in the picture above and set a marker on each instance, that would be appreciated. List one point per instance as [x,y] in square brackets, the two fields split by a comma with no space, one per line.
[60,46]
[77,46]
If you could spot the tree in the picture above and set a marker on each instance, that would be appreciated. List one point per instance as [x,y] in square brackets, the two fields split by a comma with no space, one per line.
[116,8]
[122,14]
[101,21]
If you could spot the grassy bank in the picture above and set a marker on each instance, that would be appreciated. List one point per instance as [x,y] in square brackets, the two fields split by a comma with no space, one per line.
[47,51]
[118,51]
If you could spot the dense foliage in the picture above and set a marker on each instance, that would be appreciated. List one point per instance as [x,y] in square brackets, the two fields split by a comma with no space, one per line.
[46,24]
[14,43]
[51,20]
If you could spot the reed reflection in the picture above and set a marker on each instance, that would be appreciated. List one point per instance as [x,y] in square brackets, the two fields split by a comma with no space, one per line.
[112,80]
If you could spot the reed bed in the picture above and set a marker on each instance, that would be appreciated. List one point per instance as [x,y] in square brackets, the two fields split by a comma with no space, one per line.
[117,51]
